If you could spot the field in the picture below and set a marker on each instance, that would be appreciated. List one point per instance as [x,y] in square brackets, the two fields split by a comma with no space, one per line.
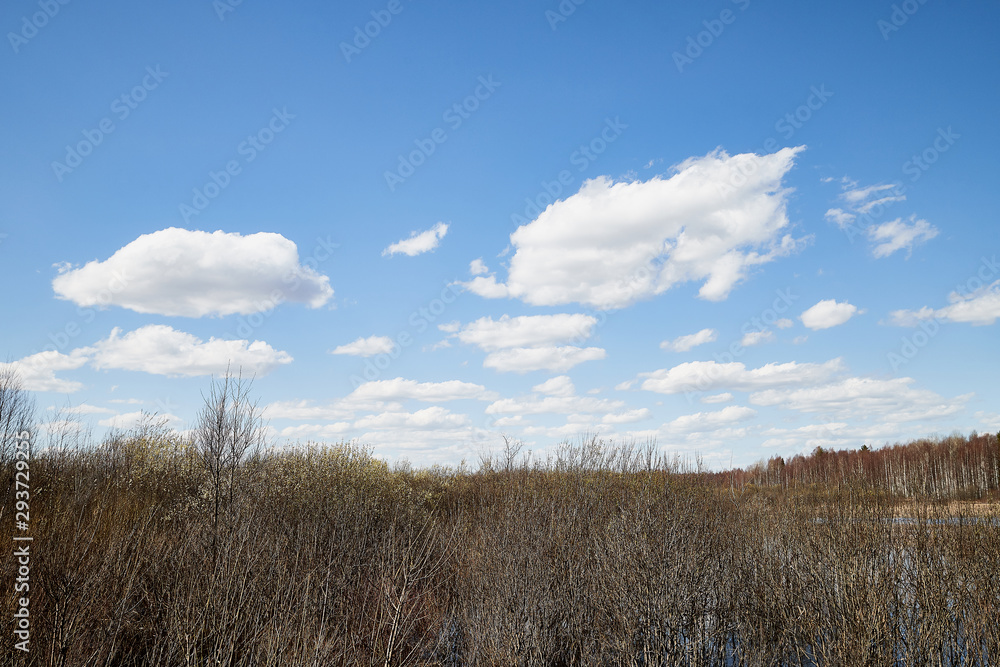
[148,551]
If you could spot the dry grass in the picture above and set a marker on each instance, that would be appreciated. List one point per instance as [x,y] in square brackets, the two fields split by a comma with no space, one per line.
[327,556]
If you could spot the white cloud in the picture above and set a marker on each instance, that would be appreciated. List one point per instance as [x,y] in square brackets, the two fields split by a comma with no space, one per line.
[303,409]
[553,358]
[828,313]
[887,237]
[857,397]
[526,330]
[419,242]
[724,397]
[627,417]
[162,350]
[784,323]
[477,267]
[194,273]
[611,244]
[685,343]
[859,197]
[567,405]
[990,419]
[711,375]
[526,343]
[431,418]
[898,235]
[980,307]
[756,338]
[367,347]
[130,419]
[701,422]
[399,389]
[840,216]
[561,385]
[38,371]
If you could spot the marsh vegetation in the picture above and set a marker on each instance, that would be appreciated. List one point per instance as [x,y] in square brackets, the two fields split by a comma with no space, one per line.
[152,549]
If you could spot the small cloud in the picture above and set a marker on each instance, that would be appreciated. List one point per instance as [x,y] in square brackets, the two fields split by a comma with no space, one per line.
[558,386]
[828,313]
[627,417]
[717,398]
[685,343]
[367,347]
[756,338]
[898,235]
[477,267]
[784,323]
[419,242]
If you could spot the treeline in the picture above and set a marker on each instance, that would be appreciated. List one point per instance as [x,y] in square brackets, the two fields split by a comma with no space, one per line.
[956,467]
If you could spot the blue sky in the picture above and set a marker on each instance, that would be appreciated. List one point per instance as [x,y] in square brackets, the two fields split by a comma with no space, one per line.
[740,229]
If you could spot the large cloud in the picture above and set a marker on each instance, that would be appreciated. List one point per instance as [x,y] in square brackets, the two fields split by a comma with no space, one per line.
[611,244]
[162,350]
[193,273]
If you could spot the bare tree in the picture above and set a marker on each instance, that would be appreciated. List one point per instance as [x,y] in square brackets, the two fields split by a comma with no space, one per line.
[17,411]
[230,426]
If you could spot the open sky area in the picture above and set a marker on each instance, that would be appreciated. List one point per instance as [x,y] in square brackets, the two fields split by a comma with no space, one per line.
[740,229]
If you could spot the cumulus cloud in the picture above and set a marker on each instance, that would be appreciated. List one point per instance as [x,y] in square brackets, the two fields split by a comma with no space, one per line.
[526,343]
[712,220]
[560,385]
[535,405]
[627,417]
[828,313]
[38,371]
[526,331]
[685,343]
[162,350]
[366,347]
[756,338]
[894,400]
[430,418]
[419,242]
[712,375]
[724,397]
[477,267]
[194,273]
[898,235]
[978,308]
[701,422]
[558,359]
[399,389]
